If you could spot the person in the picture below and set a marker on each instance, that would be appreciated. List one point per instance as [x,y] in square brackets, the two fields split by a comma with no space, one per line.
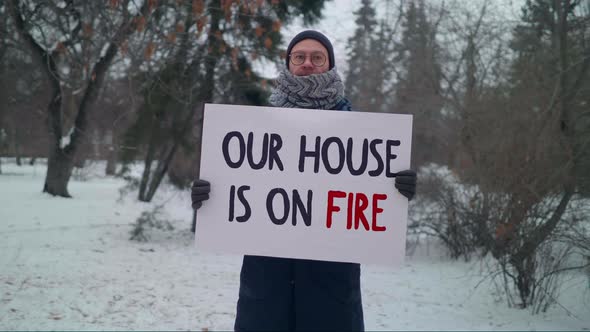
[298,294]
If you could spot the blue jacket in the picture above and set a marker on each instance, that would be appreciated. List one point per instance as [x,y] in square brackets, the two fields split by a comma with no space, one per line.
[295,294]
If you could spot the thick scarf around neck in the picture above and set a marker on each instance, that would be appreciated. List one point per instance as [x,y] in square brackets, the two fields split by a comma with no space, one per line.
[319,91]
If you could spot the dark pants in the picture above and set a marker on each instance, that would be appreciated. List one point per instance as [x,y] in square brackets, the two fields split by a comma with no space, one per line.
[294,294]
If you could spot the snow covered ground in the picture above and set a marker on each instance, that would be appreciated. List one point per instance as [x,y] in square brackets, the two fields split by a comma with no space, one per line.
[67,264]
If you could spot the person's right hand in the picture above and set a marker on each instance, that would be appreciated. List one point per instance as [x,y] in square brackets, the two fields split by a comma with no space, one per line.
[200,192]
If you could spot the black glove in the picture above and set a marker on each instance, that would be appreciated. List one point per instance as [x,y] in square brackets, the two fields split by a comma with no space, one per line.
[200,192]
[405,182]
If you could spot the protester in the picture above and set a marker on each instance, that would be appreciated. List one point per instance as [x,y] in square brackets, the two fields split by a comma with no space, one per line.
[298,294]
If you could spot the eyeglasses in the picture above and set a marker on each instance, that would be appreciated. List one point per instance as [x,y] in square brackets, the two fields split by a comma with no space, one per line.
[318,59]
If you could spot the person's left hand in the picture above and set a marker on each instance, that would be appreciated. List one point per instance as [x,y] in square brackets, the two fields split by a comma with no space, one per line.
[405,182]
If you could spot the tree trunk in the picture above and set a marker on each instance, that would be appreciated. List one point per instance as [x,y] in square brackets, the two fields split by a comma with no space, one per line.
[145,177]
[15,144]
[59,163]
[16,147]
[151,181]
[210,64]
[111,160]
[59,170]
[160,172]
[194,224]
[200,109]
[525,280]
[149,158]
[164,163]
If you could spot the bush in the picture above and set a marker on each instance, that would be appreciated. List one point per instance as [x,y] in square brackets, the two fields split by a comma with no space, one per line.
[149,219]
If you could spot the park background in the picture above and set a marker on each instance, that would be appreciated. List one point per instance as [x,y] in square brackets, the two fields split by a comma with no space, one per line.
[100,124]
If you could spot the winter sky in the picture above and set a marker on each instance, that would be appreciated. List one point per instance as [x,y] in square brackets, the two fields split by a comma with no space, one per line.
[338,23]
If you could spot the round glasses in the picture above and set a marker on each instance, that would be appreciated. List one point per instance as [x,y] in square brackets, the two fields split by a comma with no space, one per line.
[318,59]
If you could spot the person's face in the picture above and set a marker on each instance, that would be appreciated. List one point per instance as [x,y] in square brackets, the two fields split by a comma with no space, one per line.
[313,51]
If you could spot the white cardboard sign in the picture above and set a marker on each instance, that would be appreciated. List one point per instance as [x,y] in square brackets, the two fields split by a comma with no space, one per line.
[300,183]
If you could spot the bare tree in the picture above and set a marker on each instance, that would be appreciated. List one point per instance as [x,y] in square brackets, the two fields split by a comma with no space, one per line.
[181,73]
[522,146]
[74,43]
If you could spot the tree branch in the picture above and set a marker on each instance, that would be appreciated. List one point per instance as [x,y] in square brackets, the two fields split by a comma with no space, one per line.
[48,66]
[539,234]
[99,72]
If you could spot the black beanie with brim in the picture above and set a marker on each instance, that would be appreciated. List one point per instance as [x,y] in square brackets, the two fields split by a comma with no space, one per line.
[315,35]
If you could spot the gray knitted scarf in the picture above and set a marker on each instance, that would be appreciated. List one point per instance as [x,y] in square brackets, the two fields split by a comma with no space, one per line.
[319,91]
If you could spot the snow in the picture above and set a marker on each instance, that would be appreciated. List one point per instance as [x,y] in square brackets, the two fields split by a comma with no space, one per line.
[104,50]
[65,140]
[67,264]
[134,6]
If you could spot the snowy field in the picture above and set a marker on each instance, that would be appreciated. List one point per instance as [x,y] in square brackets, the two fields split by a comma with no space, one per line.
[68,264]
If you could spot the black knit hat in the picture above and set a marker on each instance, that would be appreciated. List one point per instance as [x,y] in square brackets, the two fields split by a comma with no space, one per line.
[315,35]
